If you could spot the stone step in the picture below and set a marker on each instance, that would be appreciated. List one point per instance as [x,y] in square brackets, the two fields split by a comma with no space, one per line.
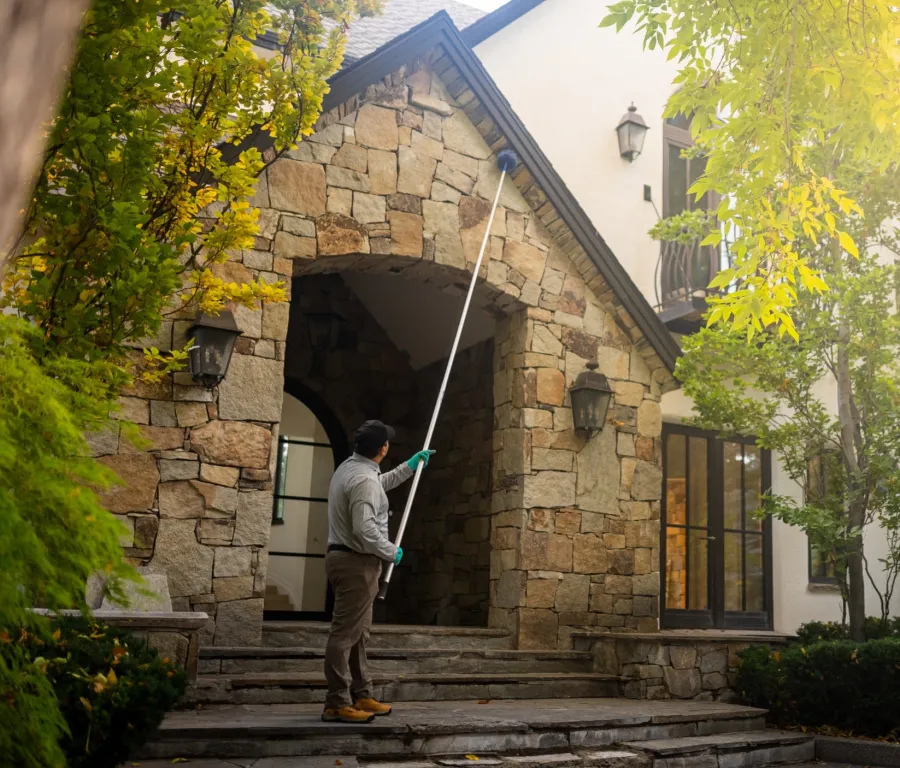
[300,688]
[237,661]
[424,729]
[728,750]
[590,759]
[312,634]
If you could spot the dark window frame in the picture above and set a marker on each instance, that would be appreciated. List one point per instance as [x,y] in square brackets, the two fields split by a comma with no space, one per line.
[716,617]
[817,578]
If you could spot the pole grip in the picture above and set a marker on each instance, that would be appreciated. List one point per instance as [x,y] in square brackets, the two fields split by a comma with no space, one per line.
[383,588]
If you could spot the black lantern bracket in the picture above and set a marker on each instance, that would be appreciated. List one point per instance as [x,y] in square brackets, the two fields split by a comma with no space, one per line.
[591,396]
[631,131]
[210,355]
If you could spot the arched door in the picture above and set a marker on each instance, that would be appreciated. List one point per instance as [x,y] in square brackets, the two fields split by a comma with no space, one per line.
[296,586]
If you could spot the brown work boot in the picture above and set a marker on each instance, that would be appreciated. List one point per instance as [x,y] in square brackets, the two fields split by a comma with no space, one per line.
[346,715]
[375,707]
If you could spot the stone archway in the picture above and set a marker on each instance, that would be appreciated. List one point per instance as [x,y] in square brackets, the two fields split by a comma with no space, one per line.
[398,181]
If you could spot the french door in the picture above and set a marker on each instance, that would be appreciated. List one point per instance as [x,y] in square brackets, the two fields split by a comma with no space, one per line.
[715,551]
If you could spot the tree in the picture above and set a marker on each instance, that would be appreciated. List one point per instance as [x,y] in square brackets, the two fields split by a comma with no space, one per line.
[829,400]
[770,85]
[161,98]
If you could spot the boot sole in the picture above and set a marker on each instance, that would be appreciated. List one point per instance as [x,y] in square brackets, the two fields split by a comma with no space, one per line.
[339,719]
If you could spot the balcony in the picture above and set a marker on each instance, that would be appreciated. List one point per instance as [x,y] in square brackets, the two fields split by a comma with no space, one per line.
[683,272]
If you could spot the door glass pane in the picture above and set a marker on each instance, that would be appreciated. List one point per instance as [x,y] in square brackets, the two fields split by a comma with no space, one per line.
[677,181]
[733,572]
[699,581]
[295,584]
[755,575]
[731,468]
[307,471]
[305,529]
[299,422]
[676,568]
[698,481]
[752,486]
[676,499]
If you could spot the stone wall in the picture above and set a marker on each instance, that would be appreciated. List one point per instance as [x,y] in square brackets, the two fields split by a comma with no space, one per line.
[673,665]
[399,180]
[446,566]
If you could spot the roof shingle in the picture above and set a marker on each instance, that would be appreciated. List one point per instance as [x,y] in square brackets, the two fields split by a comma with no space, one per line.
[399,16]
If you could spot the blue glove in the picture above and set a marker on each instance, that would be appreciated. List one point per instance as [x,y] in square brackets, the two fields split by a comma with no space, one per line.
[420,456]
[399,556]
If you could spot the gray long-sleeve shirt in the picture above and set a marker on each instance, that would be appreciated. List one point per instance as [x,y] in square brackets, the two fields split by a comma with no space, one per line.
[358,506]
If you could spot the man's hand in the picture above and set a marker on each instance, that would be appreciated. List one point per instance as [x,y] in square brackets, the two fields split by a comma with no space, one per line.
[420,456]
[399,556]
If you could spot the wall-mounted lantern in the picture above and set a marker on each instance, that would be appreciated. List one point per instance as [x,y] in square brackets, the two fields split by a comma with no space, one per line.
[214,337]
[324,330]
[631,130]
[591,396]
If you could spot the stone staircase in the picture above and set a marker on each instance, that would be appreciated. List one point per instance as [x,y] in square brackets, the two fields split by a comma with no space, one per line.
[408,664]
[608,733]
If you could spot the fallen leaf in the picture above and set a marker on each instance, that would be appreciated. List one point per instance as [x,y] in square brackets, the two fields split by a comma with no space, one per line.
[176,760]
[338,762]
[484,701]
[472,757]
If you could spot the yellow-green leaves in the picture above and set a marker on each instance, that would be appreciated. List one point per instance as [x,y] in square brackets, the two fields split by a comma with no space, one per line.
[794,105]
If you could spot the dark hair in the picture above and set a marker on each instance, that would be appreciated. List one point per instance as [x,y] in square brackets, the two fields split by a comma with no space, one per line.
[367,447]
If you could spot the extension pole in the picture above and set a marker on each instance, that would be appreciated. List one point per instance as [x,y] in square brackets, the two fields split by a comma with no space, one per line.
[506,161]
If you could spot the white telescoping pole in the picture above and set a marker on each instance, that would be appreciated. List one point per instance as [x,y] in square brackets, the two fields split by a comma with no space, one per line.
[506,161]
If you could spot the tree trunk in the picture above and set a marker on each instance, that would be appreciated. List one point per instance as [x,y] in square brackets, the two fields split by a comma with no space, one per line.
[850,440]
[37,38]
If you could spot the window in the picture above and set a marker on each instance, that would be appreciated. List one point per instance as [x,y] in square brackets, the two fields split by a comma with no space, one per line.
[822,483]
[716,551]
[686,268]
[296,583]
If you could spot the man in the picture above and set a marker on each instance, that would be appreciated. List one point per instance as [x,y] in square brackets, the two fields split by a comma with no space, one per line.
[358,545]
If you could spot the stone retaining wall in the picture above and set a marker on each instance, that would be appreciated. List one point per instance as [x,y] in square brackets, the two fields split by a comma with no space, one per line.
[672,666]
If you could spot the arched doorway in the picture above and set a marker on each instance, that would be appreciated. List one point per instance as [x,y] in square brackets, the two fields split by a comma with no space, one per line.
[310,446]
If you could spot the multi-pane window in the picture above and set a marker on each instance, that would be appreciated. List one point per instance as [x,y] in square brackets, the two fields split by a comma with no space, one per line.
[715,545]
[821,483]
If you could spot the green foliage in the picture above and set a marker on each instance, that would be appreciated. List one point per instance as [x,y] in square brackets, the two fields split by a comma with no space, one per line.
[112,690]
[848,686]
[831,396]
[783,97]
[144,186]
[53,531]
[144,189]
[817,631]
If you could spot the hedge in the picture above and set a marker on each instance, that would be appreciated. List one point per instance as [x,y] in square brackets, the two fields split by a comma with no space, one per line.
[112,690]
[852,687]
[876,628]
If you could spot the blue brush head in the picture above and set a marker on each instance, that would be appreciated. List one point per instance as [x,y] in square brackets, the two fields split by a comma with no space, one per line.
[507,160]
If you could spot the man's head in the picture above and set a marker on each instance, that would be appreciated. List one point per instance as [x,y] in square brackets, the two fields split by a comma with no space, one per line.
[372,440]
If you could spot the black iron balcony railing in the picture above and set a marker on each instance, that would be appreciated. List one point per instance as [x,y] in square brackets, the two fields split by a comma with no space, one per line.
[683,273]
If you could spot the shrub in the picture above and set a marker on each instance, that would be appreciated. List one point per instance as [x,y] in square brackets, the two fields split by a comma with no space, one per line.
[817,631]
[112,689]
[845,685]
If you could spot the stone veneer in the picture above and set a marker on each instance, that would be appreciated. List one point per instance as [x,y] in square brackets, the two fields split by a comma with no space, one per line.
[674,665]
[399,180]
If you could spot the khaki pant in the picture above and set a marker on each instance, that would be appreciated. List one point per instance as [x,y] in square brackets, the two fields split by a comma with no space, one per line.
[354,581]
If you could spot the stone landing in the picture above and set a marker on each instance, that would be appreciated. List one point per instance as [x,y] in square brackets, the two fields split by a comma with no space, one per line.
[431,730]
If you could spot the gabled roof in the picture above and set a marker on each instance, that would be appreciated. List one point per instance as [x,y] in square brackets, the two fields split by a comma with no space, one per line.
[399,16]
[493,22]
[480,98]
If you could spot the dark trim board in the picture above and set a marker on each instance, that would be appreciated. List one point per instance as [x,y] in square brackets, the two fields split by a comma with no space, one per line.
[491,24]
[440,30]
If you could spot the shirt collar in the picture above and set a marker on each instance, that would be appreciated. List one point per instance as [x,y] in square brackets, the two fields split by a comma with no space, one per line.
[368,462]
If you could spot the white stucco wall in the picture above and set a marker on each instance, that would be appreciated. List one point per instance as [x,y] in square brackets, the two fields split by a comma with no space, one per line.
[570,82]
